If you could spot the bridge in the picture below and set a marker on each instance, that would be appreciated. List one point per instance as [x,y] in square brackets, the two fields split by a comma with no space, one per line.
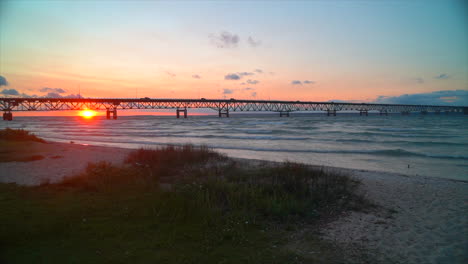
[222,106]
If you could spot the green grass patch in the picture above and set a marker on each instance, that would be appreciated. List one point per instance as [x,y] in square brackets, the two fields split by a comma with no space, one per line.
[214,211]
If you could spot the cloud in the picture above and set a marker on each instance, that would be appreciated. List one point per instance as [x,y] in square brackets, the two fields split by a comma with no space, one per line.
[225,40]
[237,76]
[252,42]
[419,80]
[442,76]
[3,81]
[449,97]
[228,91]
[170,74]
[52,90]
[252,82]
[254,94]
[296,82]
[232,76]
[258,71]
[248,89]
[196,76]
[245,73]
[308,82]
[9,92]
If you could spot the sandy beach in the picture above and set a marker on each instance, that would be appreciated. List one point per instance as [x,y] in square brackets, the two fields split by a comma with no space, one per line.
[418,220]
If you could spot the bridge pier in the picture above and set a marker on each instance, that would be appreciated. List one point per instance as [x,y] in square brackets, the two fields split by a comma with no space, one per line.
[363,112]
[113,112]
[223,113]
[437,112]
[424,112]
[178,111]
[405,113]
[384,112]
[284,113]
[8,116]
[465,111]
[331,112]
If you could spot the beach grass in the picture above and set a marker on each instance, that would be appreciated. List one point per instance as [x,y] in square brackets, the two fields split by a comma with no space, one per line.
[18,145]
[9,134]
[173,205]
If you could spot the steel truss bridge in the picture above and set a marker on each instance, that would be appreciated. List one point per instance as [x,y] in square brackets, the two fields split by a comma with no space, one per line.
[222,106]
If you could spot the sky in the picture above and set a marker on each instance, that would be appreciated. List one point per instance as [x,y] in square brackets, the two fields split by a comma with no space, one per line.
[357,51]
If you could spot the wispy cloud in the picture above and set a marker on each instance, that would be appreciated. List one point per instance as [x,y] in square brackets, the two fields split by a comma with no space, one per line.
[52,90]
[297,82]
[225,39]
[442,76]
[228,91]
[254,94]
[448,97]
[252,81]
[3,81]
[252,42]
[258,71]
[196,76]
[245,73]
[170,73]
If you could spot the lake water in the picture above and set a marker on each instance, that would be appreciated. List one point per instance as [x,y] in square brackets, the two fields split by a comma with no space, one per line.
[429,145]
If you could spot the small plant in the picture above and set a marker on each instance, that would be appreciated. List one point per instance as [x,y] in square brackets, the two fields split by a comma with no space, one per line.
[9,134]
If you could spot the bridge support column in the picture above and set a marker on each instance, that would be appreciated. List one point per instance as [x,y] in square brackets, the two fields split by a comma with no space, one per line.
[178,111]
[465,111]
[114,113]
[363,112]
[405,113]
[223,113]
[108,114]
[8,116]
[424,112]
[331,112]
[384,112]
[437,112]
[284,113]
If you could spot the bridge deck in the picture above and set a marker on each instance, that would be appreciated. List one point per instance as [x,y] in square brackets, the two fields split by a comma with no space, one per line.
[223,106]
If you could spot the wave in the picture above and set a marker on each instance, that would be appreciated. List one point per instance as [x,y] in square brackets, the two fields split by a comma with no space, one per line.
[386,152]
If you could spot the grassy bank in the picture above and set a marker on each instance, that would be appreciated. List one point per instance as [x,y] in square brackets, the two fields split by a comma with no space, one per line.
[15,145]
[174,205]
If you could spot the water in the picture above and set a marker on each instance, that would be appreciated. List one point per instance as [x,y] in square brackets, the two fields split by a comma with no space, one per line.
[432,145]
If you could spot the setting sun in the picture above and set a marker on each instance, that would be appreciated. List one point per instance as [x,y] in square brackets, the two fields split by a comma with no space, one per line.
[88,113]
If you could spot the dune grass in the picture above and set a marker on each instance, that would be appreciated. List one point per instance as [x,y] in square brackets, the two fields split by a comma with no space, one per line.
[9,134]
[15,146]
[212,210]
